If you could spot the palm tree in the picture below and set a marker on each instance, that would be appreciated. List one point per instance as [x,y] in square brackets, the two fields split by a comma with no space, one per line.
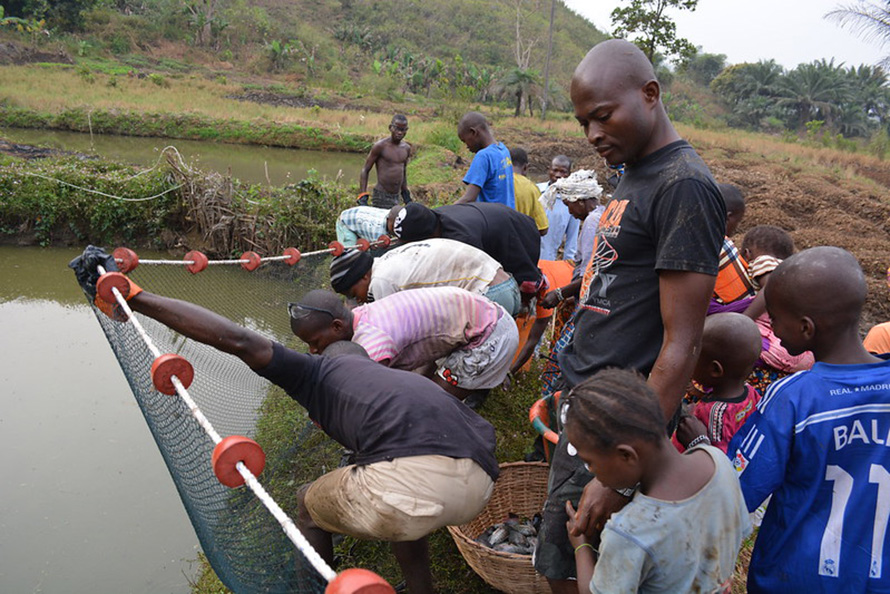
[870,19]
[521,83]
[813,91]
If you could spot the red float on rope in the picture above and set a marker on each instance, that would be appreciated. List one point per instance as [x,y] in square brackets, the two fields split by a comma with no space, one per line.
[165,367]
[253,261]
[230,451]
[109,281]
[362,244]
[384,240]
[293,256]
[126,259]
[336,248]
[198,261]
[358,581]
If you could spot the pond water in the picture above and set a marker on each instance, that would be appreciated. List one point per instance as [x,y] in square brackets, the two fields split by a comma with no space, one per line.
[249,163]
[86,502]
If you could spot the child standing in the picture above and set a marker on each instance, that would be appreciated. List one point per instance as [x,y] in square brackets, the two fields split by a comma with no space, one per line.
[682,530]
[818,440]
[765,246]
[723,399]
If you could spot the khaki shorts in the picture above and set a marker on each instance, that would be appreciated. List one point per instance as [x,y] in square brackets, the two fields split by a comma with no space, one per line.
[484,366]
[401,500]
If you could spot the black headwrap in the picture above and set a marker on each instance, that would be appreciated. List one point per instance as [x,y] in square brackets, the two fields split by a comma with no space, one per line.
[348,268]
[414,222]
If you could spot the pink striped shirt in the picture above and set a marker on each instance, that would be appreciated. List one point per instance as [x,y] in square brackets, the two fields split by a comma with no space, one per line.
[416,327]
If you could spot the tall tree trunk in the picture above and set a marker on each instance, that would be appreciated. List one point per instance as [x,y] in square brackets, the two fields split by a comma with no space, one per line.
[547,63]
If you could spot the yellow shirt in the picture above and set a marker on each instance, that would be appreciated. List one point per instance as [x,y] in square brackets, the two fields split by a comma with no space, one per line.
[527,203]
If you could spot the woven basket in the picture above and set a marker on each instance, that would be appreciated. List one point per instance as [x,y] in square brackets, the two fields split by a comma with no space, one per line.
[521,489]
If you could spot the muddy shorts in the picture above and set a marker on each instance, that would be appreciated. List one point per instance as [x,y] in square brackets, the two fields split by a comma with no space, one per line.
[400,500]
[486,365]
[383,199]
[555,557]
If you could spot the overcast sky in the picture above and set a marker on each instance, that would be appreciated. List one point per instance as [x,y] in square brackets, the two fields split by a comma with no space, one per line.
[789,31]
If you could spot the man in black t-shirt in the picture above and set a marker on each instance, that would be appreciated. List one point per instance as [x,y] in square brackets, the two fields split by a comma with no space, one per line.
[423,460]
[506,235]
[646,289]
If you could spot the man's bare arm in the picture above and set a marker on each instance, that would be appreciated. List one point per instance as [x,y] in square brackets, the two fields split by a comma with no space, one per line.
[366,168]
[684,298]
[470,194]
[203,325]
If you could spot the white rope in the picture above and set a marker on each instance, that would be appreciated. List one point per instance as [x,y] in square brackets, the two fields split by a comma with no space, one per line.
[52,179]
[290,529]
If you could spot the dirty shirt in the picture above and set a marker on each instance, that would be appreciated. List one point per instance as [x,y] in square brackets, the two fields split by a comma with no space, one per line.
[431,263]
[666,214]
[413,328]
[690,545]
[506,235]
[382,413]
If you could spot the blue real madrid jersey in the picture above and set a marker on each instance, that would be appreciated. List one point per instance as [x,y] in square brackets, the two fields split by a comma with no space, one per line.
[819,442]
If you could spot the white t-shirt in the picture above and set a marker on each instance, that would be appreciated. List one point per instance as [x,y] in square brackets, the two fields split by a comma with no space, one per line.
[432,262]
[676,546]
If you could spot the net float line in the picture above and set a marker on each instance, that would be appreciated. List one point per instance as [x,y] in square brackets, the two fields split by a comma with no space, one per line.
[195,261]
[236,459]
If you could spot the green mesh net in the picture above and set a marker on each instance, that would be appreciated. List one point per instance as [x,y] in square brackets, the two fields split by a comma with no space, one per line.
[243,542]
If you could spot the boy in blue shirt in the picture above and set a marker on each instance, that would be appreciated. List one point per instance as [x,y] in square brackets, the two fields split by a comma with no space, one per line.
[818,440]
[490,177]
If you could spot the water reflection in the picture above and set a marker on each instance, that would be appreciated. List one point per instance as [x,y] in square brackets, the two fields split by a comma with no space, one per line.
[86,504]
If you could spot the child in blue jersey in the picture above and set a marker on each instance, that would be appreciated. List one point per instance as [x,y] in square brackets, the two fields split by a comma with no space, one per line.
[818,440]
[682,530]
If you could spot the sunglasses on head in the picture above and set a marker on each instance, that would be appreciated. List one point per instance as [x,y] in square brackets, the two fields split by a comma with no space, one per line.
[299,311]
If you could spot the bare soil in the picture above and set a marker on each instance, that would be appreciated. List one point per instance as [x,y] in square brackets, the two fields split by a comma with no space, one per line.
[17,54]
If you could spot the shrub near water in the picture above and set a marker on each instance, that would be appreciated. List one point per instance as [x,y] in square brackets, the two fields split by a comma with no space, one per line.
[39,199]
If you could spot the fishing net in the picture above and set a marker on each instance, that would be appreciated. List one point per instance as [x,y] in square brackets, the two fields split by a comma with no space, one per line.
[243,542]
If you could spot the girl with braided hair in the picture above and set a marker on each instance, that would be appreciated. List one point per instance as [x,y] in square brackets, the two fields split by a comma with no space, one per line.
[682,529]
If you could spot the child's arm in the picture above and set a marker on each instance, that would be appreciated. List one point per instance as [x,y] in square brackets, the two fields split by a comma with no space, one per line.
[585,558]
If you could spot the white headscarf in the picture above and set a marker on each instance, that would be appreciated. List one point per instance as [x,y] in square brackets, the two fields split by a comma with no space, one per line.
[581,185]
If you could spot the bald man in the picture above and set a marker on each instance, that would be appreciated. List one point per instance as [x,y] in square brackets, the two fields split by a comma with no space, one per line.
[490,176]
[818,441]
[646,288]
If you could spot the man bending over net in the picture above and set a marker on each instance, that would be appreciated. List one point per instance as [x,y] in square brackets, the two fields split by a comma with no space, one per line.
[423,460]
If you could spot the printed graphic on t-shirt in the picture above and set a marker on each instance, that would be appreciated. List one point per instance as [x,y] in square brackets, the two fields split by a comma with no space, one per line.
[595,285]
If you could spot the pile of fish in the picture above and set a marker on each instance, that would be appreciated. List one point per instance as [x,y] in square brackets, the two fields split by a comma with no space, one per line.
[514,535]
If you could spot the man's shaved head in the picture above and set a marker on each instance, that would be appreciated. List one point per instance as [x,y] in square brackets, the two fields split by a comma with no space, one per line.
[825,284]
[617,63]
[471,119]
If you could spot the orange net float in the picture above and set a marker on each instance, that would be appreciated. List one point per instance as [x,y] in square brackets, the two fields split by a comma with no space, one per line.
[230,451]
[384,240]
[109,281]
[198,261]
[292,256]
[363,244]
[165,367]
[252,261]
[126,259]
[336,248]
[358,581]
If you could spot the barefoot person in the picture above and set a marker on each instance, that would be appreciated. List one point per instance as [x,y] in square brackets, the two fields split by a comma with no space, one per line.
[390,155]
[647,286]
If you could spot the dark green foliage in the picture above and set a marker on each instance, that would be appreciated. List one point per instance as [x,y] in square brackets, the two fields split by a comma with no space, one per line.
[652,30]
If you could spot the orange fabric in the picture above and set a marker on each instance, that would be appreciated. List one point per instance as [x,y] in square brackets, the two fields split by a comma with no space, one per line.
[878,339]
[113,310]
[559,274]
[732,281]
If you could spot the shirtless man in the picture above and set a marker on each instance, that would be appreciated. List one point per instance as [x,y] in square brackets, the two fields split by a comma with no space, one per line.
[390,155]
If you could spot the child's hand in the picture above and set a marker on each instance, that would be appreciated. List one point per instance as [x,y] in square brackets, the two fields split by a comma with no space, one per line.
[576,539]
[689,428]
